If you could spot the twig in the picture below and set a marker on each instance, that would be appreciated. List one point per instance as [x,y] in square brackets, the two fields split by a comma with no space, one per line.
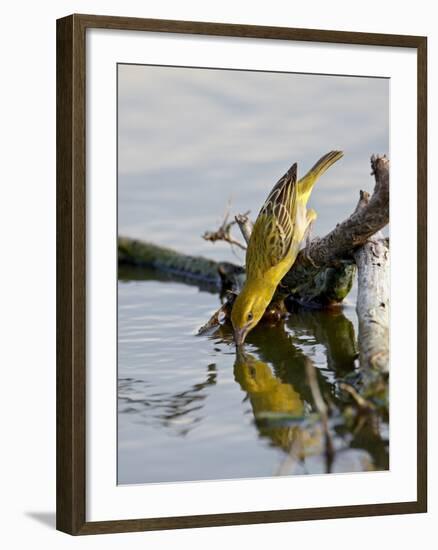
[245,225]
[223,233]
[214,321]
[220,315]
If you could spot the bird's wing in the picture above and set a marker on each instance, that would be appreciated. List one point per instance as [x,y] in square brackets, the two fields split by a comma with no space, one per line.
[272,234]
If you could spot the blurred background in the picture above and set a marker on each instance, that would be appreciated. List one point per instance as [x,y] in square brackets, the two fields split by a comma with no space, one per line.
[192,139]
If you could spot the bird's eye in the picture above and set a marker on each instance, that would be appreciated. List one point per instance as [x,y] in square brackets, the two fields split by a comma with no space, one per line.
[250,316]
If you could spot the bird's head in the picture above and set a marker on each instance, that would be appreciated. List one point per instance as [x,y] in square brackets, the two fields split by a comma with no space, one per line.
[247,311]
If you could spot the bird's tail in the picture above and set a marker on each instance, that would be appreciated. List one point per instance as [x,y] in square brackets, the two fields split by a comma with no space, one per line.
[306,183]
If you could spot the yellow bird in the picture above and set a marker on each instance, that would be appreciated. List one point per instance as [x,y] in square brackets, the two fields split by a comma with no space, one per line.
[275,242]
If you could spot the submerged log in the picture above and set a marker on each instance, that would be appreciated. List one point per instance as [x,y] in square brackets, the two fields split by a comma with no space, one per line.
[221,275]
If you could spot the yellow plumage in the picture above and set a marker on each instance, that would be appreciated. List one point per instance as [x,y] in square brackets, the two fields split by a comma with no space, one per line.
[275,242]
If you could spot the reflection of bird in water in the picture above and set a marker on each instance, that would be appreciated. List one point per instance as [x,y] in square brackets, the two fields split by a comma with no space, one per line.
[276,381]
[271,398]
[275,242]
[268,394]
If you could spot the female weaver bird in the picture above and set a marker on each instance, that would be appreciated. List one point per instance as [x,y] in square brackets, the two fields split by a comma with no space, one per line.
[275,242]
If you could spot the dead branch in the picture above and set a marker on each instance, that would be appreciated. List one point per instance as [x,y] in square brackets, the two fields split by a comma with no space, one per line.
[245,225]
[365,221]
[324,270]
[215,319]
[223,233]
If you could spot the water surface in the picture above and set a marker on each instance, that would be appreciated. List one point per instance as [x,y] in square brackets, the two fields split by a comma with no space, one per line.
[191,409]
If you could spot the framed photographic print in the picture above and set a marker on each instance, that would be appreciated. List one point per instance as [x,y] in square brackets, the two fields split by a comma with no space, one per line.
[241,274]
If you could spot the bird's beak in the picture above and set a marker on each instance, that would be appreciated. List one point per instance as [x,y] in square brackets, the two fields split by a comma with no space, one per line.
[240,335]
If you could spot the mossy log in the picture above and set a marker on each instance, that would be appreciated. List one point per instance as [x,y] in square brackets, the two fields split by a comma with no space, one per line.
[220,275]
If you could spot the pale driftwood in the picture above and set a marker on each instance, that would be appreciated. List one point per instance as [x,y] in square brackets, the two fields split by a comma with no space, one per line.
[372,307]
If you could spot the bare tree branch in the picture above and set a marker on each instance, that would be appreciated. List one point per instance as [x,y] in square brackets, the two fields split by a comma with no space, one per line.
[223,233]
[371,215]
[245,225]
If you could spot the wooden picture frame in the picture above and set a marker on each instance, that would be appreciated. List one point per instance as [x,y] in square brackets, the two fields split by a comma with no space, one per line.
[71,273]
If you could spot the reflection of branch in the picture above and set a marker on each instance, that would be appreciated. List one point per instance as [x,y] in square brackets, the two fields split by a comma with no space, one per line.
[362,403]
[287,466]
[334,331]
[321,407]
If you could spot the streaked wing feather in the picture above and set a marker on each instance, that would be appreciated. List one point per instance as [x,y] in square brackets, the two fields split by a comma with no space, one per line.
[272,234]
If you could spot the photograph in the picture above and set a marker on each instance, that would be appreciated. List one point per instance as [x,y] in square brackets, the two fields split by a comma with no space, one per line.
[253,274]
